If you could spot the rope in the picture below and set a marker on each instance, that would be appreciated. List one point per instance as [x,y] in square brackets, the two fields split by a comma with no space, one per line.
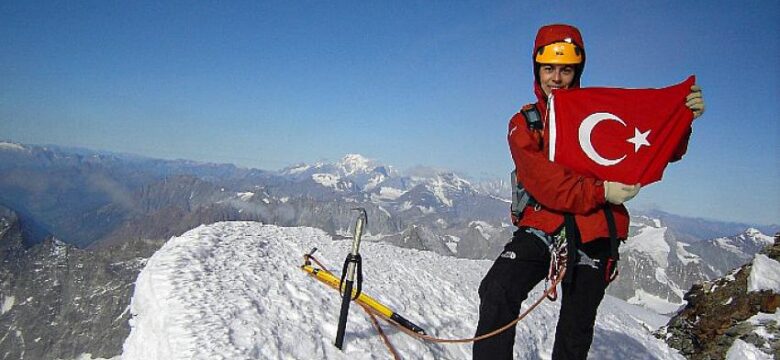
[372,313]
[309,257]
[520,317]
[558,254]
[382,334]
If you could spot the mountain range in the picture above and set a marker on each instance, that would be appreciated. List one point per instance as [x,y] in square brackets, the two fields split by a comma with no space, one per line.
[111,211]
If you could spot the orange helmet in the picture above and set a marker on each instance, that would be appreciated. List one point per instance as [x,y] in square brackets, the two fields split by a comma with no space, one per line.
[562,52]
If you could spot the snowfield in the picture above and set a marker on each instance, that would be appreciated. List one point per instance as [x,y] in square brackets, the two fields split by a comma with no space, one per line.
[234,290]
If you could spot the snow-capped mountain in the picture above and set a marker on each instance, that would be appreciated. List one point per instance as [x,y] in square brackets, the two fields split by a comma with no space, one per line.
[235,290]
[356,175]
[500,188]
[726,253]
[430,206]
[735,316]
[353,172]
[657,268]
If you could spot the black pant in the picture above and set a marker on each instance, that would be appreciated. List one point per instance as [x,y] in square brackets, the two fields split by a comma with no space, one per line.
[523,264]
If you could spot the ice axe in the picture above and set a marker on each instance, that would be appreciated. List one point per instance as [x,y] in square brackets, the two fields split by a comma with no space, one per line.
[352,266]
[364,299]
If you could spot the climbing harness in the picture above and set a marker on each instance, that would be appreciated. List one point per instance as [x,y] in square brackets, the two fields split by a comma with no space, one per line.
[558,257]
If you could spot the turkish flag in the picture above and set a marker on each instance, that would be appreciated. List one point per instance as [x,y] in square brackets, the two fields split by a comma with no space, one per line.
[625,135]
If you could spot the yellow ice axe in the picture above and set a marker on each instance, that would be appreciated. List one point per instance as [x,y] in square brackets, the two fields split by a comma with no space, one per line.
[331,280]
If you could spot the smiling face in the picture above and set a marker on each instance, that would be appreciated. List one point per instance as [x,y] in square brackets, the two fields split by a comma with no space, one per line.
[555,76]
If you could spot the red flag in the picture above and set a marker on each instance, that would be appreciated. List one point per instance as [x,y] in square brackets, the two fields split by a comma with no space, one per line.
[625,135]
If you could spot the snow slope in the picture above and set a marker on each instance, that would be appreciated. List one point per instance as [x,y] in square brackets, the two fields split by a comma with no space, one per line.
[234,290]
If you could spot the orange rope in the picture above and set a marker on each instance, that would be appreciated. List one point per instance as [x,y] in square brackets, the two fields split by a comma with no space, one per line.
[367,309]
[385,339]
[484,336]
[371,312]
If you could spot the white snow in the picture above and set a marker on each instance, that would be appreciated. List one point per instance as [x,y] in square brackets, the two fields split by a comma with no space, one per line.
[651,241]
[298,169]
[653,302]
[389,193]
[660,276]
[326,180]
[353,163]
[727,244]
[88,356]
[741,350]
[245,196]
[426,209]
[758,237]
[8,303]
[508,201]
[59,248]
[764,275]
[484,228]
[439,191]
[234,290]
[764,320]
[442,184]
[684,256]
[382,209]
[11,146]
[452,244]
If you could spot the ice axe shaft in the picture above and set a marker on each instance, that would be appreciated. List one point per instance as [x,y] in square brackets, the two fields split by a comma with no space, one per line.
[352,265]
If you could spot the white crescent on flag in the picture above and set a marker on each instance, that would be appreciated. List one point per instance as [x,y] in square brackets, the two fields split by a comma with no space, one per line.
[586,128]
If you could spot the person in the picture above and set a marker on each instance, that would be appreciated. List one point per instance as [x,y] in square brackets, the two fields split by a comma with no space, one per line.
[560,194]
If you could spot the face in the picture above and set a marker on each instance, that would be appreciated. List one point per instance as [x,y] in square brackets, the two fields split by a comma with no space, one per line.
[555,76]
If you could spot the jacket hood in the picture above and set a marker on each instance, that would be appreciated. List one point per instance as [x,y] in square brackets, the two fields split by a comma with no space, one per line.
[547,35]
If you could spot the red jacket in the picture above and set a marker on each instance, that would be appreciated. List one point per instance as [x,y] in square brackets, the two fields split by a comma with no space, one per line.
[558,189]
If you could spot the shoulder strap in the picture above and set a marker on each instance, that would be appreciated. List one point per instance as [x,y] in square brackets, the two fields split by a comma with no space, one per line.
[532,117]
[520,196]
[613,239]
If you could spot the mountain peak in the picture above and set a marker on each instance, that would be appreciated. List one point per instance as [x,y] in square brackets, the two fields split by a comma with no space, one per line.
[5,145]
[355,163]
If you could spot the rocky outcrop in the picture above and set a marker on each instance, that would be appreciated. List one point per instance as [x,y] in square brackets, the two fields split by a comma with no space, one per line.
[721,311]
[59,301]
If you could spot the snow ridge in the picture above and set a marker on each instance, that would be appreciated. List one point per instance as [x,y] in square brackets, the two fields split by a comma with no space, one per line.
[234,290]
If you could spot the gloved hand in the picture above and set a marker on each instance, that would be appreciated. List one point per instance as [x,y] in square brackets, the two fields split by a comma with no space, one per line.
[695,101]
[618,193]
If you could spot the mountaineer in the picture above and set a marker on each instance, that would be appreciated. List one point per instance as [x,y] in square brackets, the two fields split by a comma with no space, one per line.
[557,203]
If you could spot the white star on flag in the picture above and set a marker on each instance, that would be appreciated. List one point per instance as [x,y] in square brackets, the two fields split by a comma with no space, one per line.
[639,139]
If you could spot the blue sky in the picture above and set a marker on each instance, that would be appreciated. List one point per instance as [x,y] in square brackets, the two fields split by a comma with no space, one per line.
[433,83]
